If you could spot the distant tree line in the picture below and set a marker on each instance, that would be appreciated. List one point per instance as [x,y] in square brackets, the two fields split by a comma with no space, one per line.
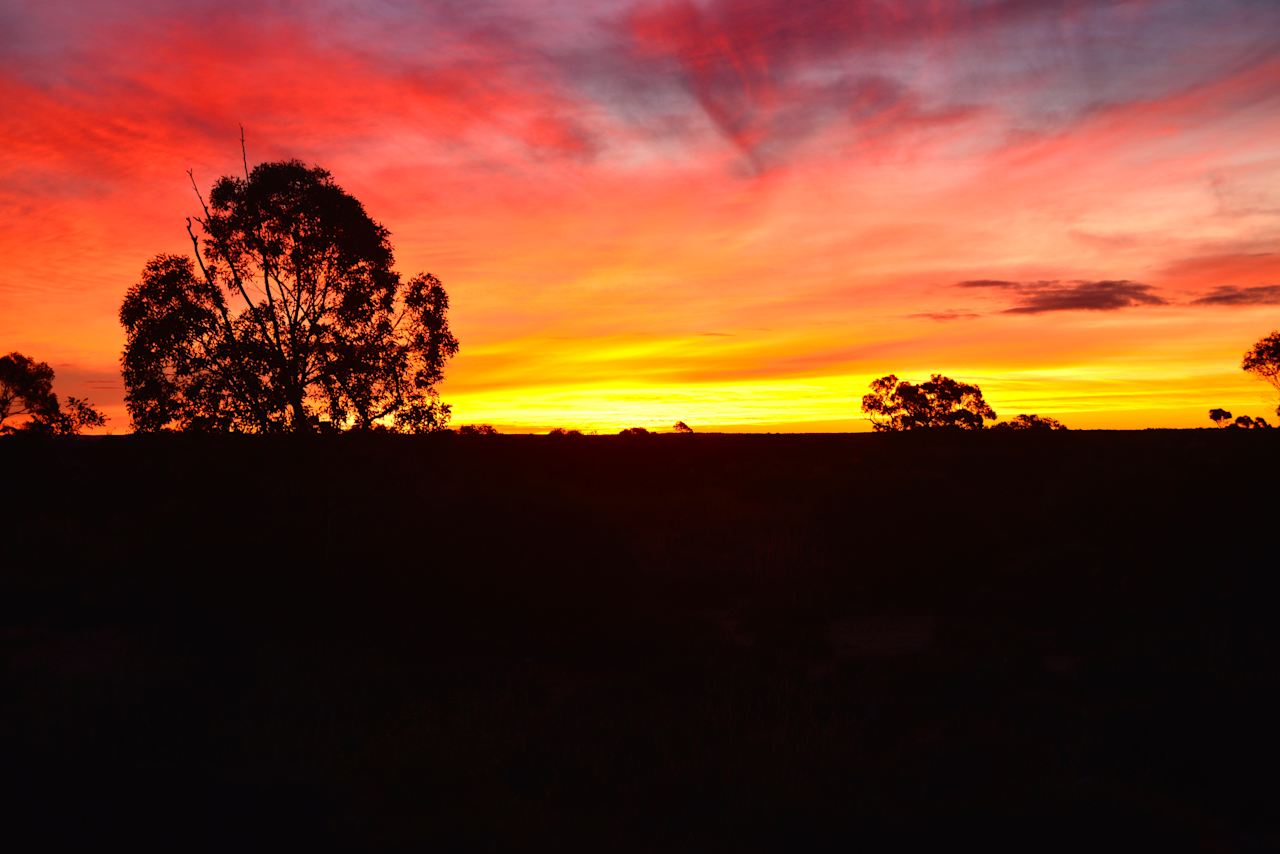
[1222,418]
[29,405]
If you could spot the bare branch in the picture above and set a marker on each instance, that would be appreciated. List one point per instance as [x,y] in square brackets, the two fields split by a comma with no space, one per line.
[192,175]
[244,154]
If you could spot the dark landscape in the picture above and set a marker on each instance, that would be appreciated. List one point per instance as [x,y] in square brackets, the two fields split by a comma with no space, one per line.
[1055,640]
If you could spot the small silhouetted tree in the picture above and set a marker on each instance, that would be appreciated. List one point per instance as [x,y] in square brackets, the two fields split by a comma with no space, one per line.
[76,416]
[1030,422]
[561,433]
[477,430]
[1220,417]
[941,403]
[681,427]
[1244,422]
[634,432]
[288,314]
[26,392]
[1263,361]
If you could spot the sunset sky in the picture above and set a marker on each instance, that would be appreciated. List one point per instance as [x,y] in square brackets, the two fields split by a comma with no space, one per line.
[732,213]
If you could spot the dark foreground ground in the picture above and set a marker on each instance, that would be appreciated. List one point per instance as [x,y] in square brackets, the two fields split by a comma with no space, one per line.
[685,643]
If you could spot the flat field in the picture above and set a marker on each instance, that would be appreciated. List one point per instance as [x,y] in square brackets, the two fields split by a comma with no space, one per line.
[700,643]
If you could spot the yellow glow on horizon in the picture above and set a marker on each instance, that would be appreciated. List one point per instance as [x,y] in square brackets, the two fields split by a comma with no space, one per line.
[1082,398]
[607,408]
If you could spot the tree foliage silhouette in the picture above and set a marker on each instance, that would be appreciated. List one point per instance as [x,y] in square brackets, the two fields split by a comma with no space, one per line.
[26,392]
[941,403]
[1222,418]
[288,318]
[1263,361]
[1030,422]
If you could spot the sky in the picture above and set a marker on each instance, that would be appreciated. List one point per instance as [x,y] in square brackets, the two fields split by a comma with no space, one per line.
[733,213]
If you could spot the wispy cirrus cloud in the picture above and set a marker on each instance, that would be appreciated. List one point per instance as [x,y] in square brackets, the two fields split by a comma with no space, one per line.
[946,315]
[771,74]
[991,283]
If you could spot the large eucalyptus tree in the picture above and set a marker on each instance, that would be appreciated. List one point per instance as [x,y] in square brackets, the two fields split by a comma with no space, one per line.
[287,317]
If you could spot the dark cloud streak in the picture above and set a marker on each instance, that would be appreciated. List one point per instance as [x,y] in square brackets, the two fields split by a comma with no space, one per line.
[1085,296]
[1053,295]
[1232,295]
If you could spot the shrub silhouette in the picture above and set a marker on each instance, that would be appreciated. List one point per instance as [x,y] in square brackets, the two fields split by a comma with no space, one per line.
[26,392]
[1030,422]
[634,432]
[477,430]
[288,317]
[681,427]
[940,403]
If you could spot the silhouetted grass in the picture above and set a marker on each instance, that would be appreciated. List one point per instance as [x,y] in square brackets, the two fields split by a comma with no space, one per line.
[673,642]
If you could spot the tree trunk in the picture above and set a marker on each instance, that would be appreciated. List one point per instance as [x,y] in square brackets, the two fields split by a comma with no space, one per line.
[301,423]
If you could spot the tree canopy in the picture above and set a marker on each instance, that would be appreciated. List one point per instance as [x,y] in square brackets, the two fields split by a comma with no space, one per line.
[941,403]
[288,317]
[27,396]
[1030,422]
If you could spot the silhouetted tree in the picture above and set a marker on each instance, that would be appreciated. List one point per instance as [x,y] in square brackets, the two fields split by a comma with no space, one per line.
[634,432]
[1244,422]
[1220,417]
[26,391]
[289,314]
[940,403]
[26,388]
[1263,361]
[681,427]
[477,430]
[561,433]
[1030,422]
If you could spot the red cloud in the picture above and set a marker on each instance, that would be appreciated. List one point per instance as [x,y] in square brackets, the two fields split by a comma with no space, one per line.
[187,85]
